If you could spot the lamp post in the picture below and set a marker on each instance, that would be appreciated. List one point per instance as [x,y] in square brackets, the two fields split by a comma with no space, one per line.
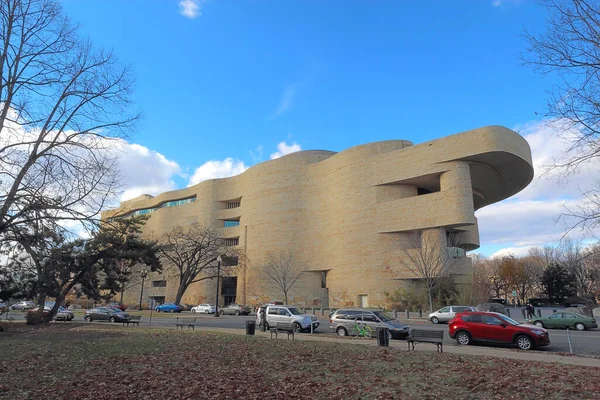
[144,273]
[218,276]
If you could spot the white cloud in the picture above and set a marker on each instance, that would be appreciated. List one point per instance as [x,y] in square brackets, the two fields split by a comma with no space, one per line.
[191,8]
[283,149]
[286,101]
[144,171]
[513,251]
[505,3]
[217,169]
[533,216]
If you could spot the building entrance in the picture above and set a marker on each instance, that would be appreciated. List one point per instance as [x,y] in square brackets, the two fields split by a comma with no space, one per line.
[229,289]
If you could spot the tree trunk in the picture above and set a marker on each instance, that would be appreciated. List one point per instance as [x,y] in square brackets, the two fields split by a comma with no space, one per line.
[429,289]
[121,300]
[285,296]
[180,292]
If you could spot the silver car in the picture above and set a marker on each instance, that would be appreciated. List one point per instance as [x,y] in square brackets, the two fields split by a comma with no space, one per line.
[445,314]
[291,314]
[343,322]
[23,305]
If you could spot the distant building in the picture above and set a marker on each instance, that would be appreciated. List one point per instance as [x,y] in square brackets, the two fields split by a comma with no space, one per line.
[345,215]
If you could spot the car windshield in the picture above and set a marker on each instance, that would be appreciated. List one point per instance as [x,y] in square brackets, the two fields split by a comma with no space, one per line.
[115,309]
[382,316]
[509,320]
[295,311]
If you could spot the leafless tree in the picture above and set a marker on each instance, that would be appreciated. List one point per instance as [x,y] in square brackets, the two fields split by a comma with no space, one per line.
[431,258]
[568,48]
[282,270]
[61,103]
[191,252]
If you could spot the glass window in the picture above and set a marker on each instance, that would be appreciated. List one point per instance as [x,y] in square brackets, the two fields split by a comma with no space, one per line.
[283,311]
[273,311]
[295,311]
[445,309]
[475,318]
[460,309]
[368,316]
[352,315]
[489,320]
[382,316]
[228,223]
[555,316]
[159,283]
[569,315]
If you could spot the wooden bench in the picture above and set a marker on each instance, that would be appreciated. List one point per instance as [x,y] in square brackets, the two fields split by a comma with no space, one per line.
[189,322]
[133,320]
[283,327]
[426,336]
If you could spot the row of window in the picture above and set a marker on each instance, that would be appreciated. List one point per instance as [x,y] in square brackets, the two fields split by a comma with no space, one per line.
[232,242]
[159,283]
[172,203]
[232,204]
[228,223]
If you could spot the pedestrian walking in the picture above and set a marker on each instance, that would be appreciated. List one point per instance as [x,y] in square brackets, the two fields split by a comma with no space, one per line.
[530,311]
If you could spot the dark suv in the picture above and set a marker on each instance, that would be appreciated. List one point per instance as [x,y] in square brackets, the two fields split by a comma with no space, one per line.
[493,327]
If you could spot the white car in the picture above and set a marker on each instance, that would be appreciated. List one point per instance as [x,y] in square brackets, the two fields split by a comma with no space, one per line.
[204,309]
[23,305]
[445,314]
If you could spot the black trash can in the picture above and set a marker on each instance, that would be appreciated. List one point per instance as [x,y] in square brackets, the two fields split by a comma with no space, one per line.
[250,327]
[383,337]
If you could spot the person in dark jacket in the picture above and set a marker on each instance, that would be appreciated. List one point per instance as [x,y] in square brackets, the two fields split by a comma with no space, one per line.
[530,311]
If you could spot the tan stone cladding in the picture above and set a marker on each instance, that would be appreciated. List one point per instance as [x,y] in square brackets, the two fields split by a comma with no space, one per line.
[345,215]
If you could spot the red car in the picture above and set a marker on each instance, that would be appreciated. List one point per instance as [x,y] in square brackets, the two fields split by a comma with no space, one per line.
[479,326]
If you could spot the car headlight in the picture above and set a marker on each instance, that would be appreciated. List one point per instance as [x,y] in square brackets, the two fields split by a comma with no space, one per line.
[538,332]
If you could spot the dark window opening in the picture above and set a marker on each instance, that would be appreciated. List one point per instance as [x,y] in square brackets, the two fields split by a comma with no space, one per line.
[159,283]
[230,261]
[323,279]
[421,191]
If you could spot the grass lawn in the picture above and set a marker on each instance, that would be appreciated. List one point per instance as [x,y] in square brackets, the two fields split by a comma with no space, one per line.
[71,361]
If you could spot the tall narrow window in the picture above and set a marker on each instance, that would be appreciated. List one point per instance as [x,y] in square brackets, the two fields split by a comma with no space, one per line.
[232,242]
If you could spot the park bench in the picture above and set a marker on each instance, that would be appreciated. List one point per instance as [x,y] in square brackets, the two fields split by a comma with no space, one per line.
[133,320]
[189,322]
[283,327]
[426,336]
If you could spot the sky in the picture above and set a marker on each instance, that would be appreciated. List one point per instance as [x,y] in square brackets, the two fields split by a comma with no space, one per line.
[226,84]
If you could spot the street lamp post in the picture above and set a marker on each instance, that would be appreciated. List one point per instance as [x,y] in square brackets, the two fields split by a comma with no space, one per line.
[144,274]
[218,276]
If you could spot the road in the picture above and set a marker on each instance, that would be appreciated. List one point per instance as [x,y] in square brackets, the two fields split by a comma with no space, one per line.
[585,342]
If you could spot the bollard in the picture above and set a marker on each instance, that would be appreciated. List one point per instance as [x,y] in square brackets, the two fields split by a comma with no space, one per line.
[524,312]
[507,312]
[420,313]
[407,314]
[395,314]
[322,311]
[539,313]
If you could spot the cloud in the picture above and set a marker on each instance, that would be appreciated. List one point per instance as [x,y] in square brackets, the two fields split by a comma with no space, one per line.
[257,157]
[513,251]
[217,169]
[191,8]
[533,216]
[505,3]
[144,171]
[284,149]
[286,101]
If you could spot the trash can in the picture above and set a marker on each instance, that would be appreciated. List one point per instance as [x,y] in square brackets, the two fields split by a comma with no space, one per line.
[383,337]
[250,327]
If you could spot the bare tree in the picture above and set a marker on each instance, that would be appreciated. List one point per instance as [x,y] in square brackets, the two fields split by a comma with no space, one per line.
[431,258]
[283,271]
[61,103]
[191,252]
[568,48]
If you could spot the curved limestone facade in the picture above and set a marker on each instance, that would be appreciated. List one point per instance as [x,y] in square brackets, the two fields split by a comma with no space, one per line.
[345,215]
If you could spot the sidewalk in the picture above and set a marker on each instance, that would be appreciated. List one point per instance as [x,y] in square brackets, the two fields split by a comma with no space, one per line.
[400,345]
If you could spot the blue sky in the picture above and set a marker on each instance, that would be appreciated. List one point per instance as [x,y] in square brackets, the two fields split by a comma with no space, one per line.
[223,83]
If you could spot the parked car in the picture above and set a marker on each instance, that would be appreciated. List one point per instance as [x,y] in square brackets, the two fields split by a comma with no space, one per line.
[106,314]
[204,309]
[23,305]
[235,309]
[342,322]
[169,307]
[120,306]
[493,327]
[445,314]
[2,307]
[565,320]
[61,315]
[291,314]
[499,301]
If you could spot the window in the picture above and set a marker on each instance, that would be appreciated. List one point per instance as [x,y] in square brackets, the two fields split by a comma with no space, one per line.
[230,261]
[233,204]
[569,315]
[273,310]
[323,279]
[445,309]
[228,223]
[172,203]
[284,312]
[232,242]
[489,320]
[475,318]
[352,315]
[159,283]
[369,317]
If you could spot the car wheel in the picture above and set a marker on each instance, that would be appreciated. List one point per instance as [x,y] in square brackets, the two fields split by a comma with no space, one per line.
[171,310]
[435,320]
[205,311]
[157,310]
[12,308]
[463,338]
[237,312]
[296,327]
[539,323]
[111,319]
[88,318]
[193,311]
[341,331]
[524,342]
[579,326]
